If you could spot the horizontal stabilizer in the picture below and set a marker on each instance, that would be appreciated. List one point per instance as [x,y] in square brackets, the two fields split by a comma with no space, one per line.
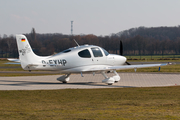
[13,63]
[14,60]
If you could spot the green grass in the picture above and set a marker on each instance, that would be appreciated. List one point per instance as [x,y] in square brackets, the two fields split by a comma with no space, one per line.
[9,67]
[151,60]
[164,69]
[25,74]
[153,56]
[79,104]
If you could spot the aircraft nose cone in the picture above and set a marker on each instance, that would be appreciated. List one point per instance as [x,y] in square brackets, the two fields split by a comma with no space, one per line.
[121,60]
[125,59]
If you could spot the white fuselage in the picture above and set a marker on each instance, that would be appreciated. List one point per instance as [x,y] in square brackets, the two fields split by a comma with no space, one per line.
[80,59]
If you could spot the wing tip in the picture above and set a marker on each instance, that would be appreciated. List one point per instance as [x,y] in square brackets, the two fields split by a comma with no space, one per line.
[164,64]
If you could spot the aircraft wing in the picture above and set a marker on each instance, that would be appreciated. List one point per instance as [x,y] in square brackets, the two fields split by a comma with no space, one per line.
[135,66]
[123,67]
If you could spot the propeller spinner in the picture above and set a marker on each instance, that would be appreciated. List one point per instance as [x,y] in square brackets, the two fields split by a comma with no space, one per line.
[121,51]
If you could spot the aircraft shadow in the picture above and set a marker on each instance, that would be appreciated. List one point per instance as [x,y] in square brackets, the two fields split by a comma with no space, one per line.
[29,83]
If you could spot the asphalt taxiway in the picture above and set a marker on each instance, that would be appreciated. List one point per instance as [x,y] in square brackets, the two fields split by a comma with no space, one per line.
[89,81]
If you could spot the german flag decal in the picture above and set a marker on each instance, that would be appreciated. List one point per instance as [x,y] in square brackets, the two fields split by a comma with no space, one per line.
[23,40]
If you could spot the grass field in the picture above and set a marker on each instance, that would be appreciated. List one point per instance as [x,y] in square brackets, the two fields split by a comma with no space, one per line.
[160,103]
[164,69]
[81,104]
[153,56]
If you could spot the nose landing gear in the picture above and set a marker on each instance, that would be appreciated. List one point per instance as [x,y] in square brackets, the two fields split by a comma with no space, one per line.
[110,80]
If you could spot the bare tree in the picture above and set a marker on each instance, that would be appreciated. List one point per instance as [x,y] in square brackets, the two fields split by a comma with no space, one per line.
[33,34]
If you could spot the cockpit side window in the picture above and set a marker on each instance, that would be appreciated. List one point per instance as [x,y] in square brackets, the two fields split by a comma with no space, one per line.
[97,52]
[105,52]
[84,54]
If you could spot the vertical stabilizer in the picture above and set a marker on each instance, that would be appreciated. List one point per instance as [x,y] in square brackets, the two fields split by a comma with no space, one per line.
[26,55]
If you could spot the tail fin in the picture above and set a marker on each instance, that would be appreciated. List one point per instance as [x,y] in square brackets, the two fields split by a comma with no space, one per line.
[26,55]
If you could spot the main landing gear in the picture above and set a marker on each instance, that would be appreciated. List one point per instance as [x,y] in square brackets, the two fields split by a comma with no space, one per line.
[107,80]
[64,78]
[111,80]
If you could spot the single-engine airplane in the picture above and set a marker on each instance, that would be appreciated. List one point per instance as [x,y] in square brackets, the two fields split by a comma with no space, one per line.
[79,59]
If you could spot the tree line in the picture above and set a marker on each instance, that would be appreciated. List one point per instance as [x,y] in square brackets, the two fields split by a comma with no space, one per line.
[141,43]
[159,33]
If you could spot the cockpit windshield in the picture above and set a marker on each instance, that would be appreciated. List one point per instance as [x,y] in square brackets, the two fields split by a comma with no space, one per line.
[105,52]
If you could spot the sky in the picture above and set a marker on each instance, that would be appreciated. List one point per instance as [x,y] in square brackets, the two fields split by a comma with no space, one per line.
[98,17]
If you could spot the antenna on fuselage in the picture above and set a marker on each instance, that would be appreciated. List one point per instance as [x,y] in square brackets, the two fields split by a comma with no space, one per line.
[76,42]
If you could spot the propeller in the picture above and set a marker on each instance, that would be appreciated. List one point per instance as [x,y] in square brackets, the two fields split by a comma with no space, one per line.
[128,63]
[121,51]
[121,48]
